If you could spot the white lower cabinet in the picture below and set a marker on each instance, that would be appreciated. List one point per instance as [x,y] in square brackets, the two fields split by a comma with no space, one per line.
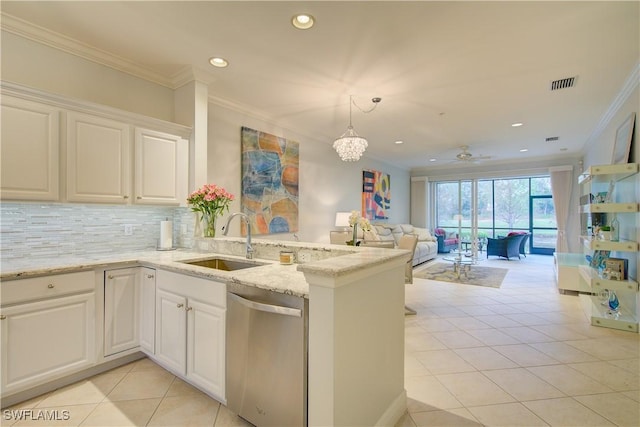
[129,310]
[148,310]
[46,339]
[121,310]
[190,329]
[205,346]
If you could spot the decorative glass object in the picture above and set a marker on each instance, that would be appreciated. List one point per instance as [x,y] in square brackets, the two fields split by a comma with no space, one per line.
[614,304]
[603,296]
[615,229]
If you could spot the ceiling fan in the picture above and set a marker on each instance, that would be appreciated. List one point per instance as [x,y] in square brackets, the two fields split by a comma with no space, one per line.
[466,156]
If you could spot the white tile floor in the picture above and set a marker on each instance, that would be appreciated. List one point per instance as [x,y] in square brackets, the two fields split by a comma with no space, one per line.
[138,394]
[520,355]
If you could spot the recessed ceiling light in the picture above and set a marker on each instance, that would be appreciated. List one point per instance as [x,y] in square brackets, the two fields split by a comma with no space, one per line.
[218,62]
[432,160]
[303,21]
[524,150]
[515,125]
[399,142]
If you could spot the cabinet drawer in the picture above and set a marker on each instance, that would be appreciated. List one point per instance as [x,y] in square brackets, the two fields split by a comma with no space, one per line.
[20,290]
[205,290]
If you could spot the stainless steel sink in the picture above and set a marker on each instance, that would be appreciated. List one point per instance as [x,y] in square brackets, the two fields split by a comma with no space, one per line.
[223,264]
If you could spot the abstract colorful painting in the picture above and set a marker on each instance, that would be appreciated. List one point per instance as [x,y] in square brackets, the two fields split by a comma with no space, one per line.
[376,194]
[269,182]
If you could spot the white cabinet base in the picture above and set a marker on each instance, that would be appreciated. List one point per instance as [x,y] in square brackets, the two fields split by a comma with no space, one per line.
[171,327]
[190,330]
[121,310]
[46,339]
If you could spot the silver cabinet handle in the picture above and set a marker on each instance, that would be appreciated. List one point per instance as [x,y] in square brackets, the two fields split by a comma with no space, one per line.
[139,197]
[50,286]
[189,308]
[2,317]
[126,197]
[150,276]
[110,276]
[180,305]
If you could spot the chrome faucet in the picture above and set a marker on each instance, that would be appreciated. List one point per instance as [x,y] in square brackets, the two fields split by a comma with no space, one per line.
[249,254]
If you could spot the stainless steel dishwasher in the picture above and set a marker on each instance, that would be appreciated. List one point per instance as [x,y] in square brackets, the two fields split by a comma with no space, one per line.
[266,348]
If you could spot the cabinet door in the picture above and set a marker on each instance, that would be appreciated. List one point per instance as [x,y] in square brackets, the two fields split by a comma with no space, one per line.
[205,346]
[29,153]
[148,310]
[160,168]
[171,331]
[121,310]
[46,339]
[98,159]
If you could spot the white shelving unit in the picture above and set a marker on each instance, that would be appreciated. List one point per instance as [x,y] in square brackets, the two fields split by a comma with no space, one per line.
[623,203]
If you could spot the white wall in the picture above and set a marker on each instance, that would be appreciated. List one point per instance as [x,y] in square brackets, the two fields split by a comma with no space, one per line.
[600,151]
[38,66]
[327,184]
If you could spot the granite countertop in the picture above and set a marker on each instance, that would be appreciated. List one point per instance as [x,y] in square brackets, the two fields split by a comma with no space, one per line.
[269,274]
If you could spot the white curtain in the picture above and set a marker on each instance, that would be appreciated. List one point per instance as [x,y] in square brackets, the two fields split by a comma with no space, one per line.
[561,185]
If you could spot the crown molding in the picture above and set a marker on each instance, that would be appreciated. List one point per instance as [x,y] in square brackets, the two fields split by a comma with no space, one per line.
[73,104]
[83,50]
[190,74]
[630,84]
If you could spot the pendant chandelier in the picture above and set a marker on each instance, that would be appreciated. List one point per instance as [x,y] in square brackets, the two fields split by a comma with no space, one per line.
[350,146]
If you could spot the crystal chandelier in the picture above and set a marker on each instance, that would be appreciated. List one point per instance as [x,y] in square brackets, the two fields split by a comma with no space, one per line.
[350,146]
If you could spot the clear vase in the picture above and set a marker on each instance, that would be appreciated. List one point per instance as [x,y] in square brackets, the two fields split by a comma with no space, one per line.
[615,229]
[208,225]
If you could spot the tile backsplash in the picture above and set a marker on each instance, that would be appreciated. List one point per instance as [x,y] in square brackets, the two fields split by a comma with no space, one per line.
[43,230]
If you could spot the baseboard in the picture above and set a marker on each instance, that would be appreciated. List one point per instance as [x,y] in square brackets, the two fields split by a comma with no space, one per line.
[394,412]
[38,390]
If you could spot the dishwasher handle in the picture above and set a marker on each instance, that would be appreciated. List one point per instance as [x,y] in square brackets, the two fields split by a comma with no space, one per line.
[269,308]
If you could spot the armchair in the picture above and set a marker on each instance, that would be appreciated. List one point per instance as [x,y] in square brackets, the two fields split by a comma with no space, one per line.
[506,247]
[446,241]
[523,242]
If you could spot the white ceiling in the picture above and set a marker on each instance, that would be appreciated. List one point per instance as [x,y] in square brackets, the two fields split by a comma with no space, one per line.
[448,73]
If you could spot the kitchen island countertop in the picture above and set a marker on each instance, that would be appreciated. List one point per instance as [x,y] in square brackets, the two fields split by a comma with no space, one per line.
[268,273]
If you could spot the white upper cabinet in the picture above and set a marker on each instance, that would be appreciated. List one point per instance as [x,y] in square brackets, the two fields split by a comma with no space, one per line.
[98,159]
[60,149]
[30,150]
[161,163]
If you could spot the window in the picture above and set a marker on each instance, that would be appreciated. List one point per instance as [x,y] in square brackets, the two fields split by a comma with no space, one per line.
[504,205]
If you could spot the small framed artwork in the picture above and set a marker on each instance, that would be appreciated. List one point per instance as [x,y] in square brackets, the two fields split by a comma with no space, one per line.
[620,265]
[622,145]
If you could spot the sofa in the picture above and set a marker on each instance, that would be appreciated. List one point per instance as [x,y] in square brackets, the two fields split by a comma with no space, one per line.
[426,249]
[446,241]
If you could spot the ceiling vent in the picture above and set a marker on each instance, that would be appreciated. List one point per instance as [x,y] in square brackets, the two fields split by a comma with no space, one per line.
[563,83]
[552,139]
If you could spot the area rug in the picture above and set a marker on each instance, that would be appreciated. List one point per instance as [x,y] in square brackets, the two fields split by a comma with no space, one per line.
[477,275]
